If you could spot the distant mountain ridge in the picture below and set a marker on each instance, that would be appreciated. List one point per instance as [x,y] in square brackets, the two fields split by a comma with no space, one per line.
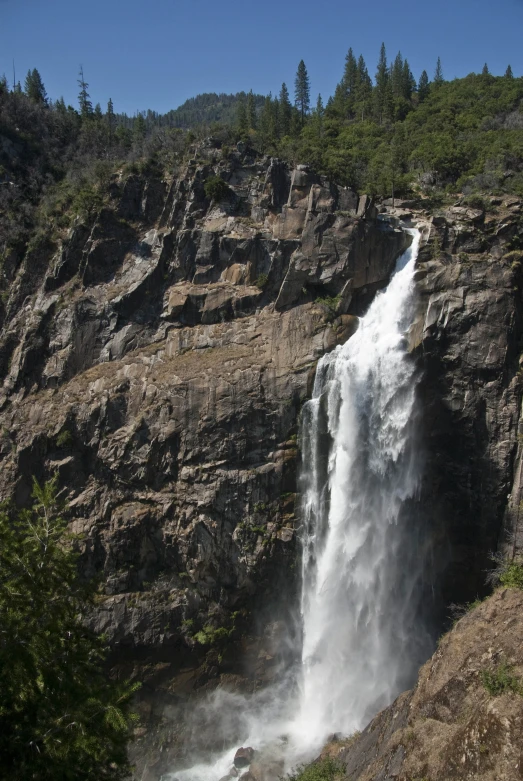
[208,107]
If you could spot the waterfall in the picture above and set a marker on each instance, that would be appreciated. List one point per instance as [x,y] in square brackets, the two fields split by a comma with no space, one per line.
[362,548]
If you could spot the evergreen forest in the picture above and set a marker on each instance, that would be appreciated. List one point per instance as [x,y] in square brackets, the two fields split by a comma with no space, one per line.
[387,135]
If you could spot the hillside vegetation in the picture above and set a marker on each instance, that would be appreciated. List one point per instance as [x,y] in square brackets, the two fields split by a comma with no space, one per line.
[387,137]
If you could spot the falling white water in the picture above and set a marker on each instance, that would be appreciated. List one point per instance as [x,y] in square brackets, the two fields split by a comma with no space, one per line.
[360,567]
[362,543]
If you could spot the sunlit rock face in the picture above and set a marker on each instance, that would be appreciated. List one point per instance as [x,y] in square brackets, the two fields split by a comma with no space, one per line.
[158,358]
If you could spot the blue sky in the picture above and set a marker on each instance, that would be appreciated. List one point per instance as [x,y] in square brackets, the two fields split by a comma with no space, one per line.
[156,53]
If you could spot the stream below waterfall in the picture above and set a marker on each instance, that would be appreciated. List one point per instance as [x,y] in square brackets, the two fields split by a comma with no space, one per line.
[363,548]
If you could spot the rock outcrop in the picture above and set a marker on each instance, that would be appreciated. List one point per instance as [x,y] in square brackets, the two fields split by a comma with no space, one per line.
[464,718]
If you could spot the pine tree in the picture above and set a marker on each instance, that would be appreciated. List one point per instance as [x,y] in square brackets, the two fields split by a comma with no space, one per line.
[268,122]
[86,107]
[34,87]
[319,113]
[60,106]
[251,111]
[350,74]
[284,112]
[302,91]
[423,87]
[60,717]
[139,127]
[485,71]
[111,121]
[350,81]
[408,82]
[508,73]
[381,92]
[396,75]
[438,73]
[97,114]
[363,90]
[242,121]
[4,89]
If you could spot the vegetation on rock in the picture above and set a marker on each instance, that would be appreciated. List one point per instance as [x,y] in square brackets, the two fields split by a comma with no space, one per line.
[216,189]
[324,769]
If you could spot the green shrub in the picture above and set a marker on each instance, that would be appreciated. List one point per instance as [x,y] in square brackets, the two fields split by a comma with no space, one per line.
[261,281]
[327,769]
[512,575]
[210,636]
[216,189]
[87,202]
[475,201]
[64,439]
[330,303]
[501,680]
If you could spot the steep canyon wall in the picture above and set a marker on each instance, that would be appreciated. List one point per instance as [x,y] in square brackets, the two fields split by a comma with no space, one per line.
[157,358]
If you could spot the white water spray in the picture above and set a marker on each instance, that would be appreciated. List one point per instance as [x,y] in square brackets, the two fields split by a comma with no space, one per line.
[362,545]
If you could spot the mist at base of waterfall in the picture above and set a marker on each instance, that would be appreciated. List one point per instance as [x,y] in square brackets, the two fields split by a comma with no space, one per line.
[365,598]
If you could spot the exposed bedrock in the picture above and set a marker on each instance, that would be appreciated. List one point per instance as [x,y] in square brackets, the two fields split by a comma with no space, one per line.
[158,356]
[157,359]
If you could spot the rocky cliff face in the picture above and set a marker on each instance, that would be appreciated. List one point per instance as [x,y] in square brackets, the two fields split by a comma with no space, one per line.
[464,718]
[157,358]
[468,339]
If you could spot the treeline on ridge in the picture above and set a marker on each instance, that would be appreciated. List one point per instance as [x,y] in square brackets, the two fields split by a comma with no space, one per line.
[387,135]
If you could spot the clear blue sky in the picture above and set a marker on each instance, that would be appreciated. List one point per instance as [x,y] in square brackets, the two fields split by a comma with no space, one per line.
[156,53]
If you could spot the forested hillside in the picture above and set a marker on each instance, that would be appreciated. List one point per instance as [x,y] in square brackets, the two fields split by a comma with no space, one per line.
[387,136]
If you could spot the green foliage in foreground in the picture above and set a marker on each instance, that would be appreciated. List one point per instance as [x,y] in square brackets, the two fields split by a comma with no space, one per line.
[60,717]
[327,769]
[501,680]
[511,575]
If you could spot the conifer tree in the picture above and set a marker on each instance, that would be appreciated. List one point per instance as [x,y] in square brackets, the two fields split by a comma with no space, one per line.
[408,82]
[382,94]
[242,121]
[284,112]
[485,71]
[60,717]
[268,122]
[296,124]
[423,86]
[97,114]
[139,127]
[363,90]
[302,91]
[84,99]
[319,113]
[508,73]
[34,87]
[396,74]
[438,74]
[251,111]
[111,121]
[350,74]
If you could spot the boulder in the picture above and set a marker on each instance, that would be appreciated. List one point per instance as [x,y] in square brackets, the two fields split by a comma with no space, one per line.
[243,757]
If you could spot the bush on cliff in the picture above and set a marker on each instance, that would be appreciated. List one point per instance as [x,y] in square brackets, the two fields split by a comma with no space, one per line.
[216,189]
[60,717]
